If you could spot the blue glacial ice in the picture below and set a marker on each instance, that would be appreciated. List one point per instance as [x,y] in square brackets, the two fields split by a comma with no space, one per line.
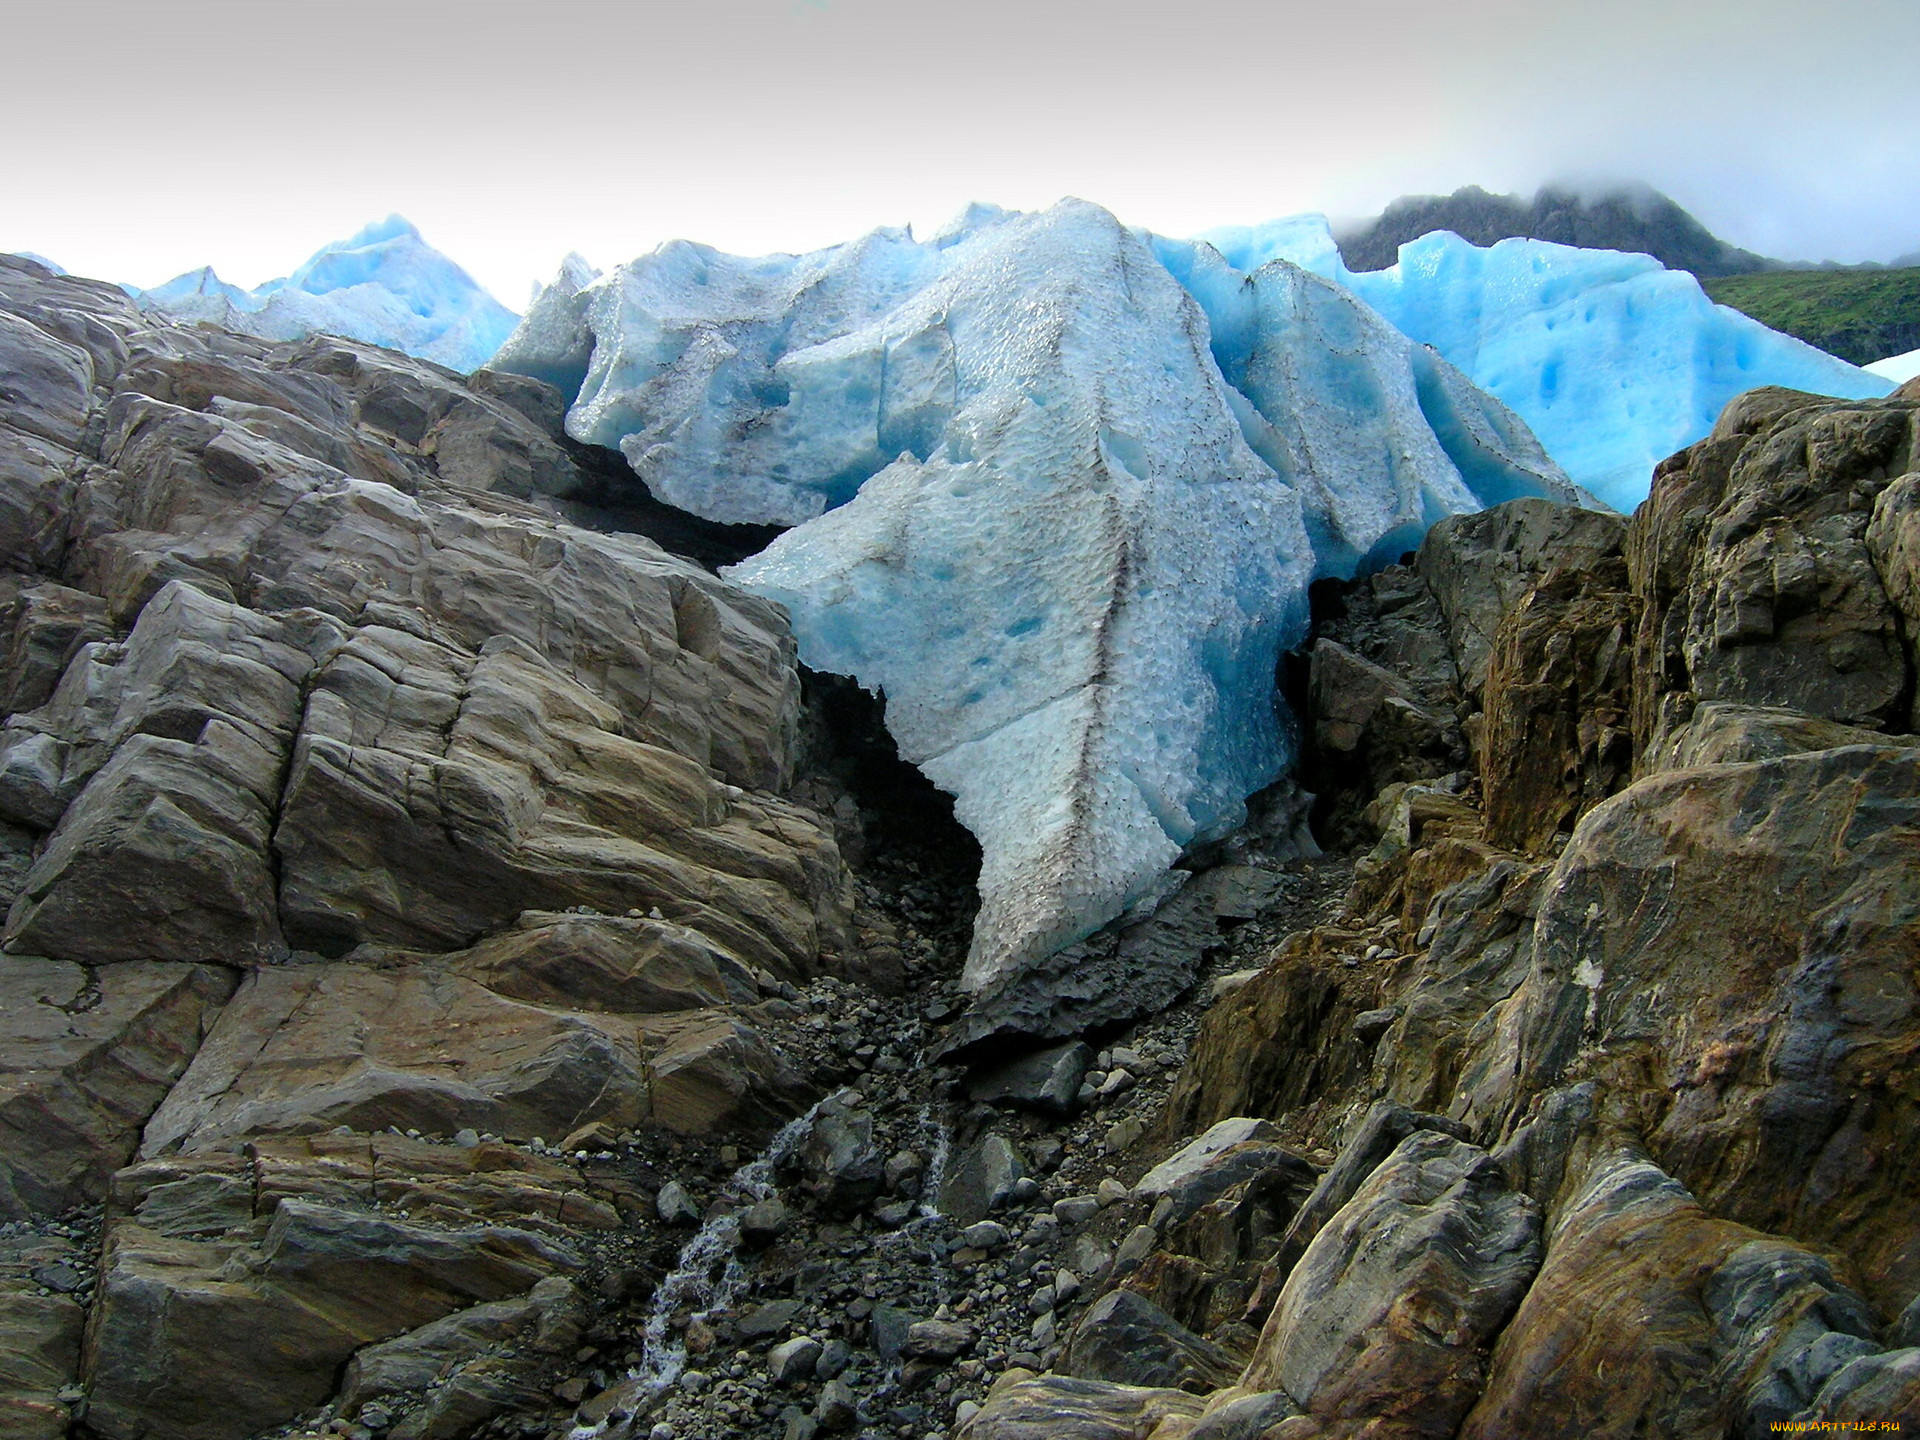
[1614,361]
[385,286]
[1032,510]
[41,261]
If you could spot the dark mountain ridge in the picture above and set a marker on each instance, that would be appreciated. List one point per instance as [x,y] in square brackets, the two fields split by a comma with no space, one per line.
[1633,218]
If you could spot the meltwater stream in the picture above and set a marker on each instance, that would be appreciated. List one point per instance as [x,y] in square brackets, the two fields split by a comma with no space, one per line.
[708,1274]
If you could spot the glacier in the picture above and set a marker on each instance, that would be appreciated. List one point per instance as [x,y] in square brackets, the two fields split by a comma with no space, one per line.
[1058,511]
[384,285]
[1897,368]
[1614,361]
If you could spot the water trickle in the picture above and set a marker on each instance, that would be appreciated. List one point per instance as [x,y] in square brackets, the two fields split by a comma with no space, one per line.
[707,1273]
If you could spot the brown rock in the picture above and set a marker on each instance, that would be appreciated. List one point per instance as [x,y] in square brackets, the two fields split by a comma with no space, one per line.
[39,1356]
[201,1341]
[1382,1328]
[1124,1338]
[85,1057]
[1024,1406]
[48,625]
[1478,567]
[1726,952]
[1722,734]
[547,1320]
[598,962]
[435,795]
[1752,567]
[173,746]
[1558,686]
[1652,1317]
[708,1071]
[309,1047]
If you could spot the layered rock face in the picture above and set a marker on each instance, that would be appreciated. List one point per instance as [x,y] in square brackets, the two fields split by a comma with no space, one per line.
[1612,1046]
[348,796]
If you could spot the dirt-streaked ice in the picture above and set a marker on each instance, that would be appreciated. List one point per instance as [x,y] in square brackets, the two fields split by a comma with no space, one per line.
[1032,510]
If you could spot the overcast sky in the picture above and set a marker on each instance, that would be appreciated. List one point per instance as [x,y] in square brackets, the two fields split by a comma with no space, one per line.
[144,138]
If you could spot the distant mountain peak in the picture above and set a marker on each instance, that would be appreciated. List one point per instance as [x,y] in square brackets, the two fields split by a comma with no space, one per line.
[1627,215]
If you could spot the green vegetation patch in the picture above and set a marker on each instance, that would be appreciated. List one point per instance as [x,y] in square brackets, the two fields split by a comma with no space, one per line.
[1859,315]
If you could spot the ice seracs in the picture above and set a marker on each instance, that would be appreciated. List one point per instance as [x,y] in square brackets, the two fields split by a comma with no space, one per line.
[1614,361]
[1032,509]
[385,285]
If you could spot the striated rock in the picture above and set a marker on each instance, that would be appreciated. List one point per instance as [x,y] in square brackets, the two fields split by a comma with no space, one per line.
[1718,733]
[1478,567]
[49,382]
[86,1055]
[1880,1389]
[434,795]
[1243,1416]
[194,1340]
[47,626]
[1380,1133]
[1024,1406]
[170,751]
[219,1194]
[1126,1339]
[1724,951]
[1200,1153]
[1558,687]
[1651,1316]
[39,1355]
[1751,563]
[599,962]
[548,1320]
[1478,939]
[1274,1044]
[1383,1325]
[306,1048]
[708,1070]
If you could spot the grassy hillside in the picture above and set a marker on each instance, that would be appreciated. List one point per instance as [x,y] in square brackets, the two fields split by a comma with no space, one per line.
[1859,315]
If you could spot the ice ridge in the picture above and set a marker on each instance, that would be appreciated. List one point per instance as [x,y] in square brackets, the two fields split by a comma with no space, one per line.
[1034,508]
[384,285]
[1613,360]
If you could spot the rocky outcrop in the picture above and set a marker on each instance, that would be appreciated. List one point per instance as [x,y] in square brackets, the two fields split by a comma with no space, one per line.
[1752,565]
[1652,1316]
[85,1057]
[1383,1323]
[267,1326]
[1555,740]
[1723,951]
[1644,973]
[367,828]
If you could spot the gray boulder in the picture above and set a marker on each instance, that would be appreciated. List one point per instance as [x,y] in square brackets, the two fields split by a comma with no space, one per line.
[1128,1340]
[839,1160]
[981,1180]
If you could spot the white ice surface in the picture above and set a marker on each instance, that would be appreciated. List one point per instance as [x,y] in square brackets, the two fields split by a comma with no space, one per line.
[1031,510]
[1614,361]
[1897,368]
[385,286]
